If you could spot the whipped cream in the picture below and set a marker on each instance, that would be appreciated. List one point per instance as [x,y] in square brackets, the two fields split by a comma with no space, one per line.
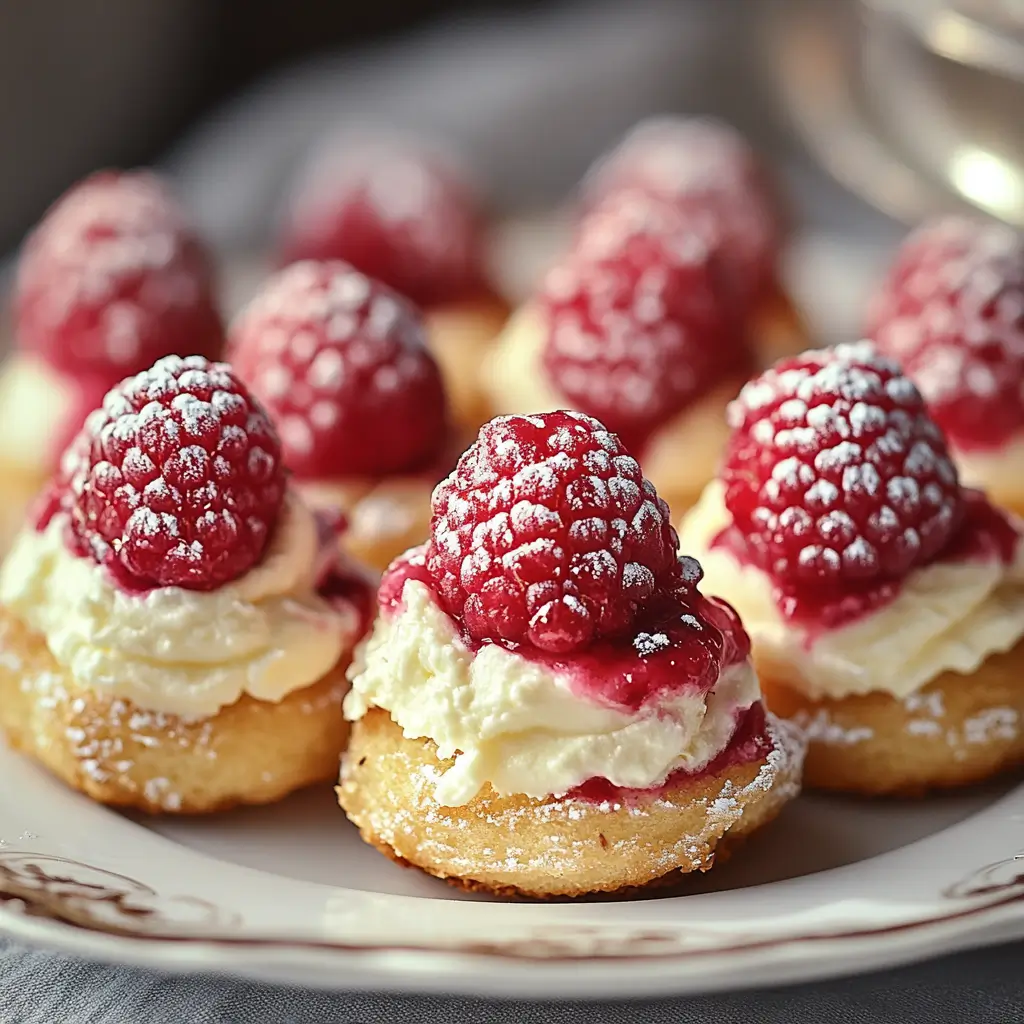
[999,472]
[947,617]
[513,723]
[682,455]
[34,400]
[182,652]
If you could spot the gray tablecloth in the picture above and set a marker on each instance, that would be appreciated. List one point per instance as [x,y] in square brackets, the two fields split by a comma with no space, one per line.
[982,987]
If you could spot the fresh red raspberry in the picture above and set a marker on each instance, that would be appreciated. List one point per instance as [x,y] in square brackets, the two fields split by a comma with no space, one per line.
[113,278]
[398,212]
[340,362]
[177,480]
[548,533]
[952,312]
[835,473]
[707,171]
[637,323]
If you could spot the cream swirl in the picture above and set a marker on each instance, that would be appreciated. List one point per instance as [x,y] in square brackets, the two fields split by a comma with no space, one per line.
[182,652]
[947,617]
[511,722]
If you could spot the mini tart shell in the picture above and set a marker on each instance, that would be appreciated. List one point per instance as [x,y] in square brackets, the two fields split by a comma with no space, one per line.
[557,847]
[955,731]
[251,752]
[460,335]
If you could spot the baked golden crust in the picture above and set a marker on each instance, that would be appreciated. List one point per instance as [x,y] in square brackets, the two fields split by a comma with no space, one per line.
[518,846]
[460,335]
[252,752]
[955,731]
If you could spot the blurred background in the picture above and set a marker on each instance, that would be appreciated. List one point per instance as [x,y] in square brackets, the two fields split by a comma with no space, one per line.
[873,112]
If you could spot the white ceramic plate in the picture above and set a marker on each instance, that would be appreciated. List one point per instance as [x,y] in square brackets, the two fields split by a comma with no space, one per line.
[290,894]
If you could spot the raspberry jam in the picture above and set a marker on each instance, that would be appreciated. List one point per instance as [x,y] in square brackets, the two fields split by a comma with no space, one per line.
[984,532]
[680,643]
[750,742]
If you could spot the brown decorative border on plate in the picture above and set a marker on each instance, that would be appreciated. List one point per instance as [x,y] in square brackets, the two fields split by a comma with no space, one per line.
[69,892]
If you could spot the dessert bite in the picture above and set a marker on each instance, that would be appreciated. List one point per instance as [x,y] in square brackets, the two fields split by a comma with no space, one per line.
[174,625]
[635,327]
[951,311]
[341,364]
[112,279]
[408,216]
[547,704]
[705,171]
[884,601]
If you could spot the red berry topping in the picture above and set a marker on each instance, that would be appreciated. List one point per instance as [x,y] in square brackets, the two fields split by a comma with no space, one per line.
[952,312]
[835,473]
[637,323]
[340,362]
[706,170]
[399,213]
[177,480]
[548,533]
[113,278]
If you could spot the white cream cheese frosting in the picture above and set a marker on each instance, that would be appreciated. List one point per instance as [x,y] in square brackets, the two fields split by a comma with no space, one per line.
[512,723]
[947,617]
[33,403]
[182,652]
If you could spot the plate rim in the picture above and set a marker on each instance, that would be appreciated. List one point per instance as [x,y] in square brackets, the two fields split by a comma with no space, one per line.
[458,972]
[40,909]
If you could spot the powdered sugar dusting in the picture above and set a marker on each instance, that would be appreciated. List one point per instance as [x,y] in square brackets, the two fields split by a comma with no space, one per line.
[559,852]
[636,325]
[177,480]
[403,213]
[705,171]
[820,726]
[836,470]
[341,362]
[114,742]
[1002,724]
[547,532]
[952,311]
[113,262]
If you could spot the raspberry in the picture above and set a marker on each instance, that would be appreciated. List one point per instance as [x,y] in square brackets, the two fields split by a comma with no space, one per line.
[707,171]
[176,480]
[113,278]
[399,213]
[340,362]
[835,473]
[547,533]
[952,312]
[637,323]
